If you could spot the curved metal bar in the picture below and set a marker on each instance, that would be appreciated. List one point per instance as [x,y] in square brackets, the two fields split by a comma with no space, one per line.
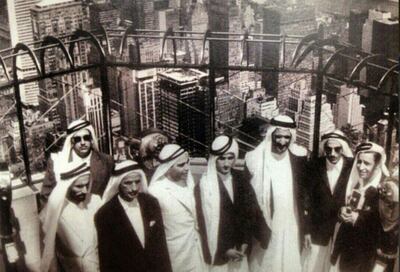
[104,32]
[245,45]
[203,49]
[3,64]
[330,41]
[307,39]
[130,30]
[386,75]
[53,40]
[24,47]
[332,59]
[167,33]
[361,65]
[83,33]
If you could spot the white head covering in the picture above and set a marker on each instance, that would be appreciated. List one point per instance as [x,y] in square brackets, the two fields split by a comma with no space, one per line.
[73,128]
[53,209]
[209,188]
[169,155]
[120,171]
[339,136]
[376,177]
[257,163]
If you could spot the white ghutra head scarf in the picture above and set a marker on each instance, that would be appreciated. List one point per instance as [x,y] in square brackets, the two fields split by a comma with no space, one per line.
[209,188]
[258,166]
[379,171]
[169,155]
[120,171]
[51,213]
[338,136]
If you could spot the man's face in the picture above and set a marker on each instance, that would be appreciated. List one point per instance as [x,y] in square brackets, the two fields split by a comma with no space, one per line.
[280,140]
[180,170]
[130,186]
[333,150]
[82,143]
[79,189]
[225,163]
[365,165]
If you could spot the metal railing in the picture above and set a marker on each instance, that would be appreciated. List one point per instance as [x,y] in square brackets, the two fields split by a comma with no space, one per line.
[328,51]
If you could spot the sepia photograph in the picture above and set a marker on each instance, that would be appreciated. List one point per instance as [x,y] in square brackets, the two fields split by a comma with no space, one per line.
[199,135]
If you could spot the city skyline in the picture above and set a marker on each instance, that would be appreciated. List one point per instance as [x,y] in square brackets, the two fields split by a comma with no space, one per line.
[136,95]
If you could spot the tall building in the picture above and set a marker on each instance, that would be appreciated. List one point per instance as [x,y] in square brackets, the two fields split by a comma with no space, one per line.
[291,19]
[264,106]
[299,91]
[356,22]
[184,108]
[5,37]
[218,19]
[348,108]
[57,18]
[305,125]
[229,109]
[21,32]
[139,100]
[92,101]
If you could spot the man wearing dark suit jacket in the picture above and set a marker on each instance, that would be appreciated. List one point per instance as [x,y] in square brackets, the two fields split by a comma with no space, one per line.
[80,145]
[130,228]
[225,202]
[327,179]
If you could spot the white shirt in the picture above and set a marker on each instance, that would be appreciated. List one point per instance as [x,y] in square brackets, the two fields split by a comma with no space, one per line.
[228,186]
[333,172]
[132,210]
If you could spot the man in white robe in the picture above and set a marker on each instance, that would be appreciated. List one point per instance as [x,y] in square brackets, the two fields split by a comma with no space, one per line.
[173,186]
[277,178]
[68,224]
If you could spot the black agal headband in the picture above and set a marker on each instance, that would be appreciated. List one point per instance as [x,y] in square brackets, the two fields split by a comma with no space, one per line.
[118,172]
[283,124]
[77,127]
[223,149]
[75,172]
[173,156]
[333,135]
[363,147]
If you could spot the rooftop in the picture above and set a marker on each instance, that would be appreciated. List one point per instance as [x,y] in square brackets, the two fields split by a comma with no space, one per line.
[183,76]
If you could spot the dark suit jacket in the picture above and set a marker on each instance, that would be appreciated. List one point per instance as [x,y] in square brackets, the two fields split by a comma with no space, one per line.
[357,244]
[101,166]
[235,226]
[325,206]
[301,196]
[119,247]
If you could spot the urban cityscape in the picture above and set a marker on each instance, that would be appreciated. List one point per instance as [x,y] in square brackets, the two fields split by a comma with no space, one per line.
[164,98]
[158,85]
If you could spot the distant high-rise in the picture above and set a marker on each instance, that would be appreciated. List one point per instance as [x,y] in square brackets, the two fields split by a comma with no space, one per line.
[218,19]
[5,37]
[356,22]
[305,125]
[139,100]
[264,106]
[21,32]
[59,18]
[92,101]
[184,108]
[348,108]
[291,19]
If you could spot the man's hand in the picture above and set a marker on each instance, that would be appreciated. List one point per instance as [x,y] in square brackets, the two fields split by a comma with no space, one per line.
[345,214]
[234,255]
[307,241]
[243,248]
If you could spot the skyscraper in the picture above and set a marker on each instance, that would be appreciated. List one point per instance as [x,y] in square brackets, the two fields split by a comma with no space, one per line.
[348,108]
[305,126]
[21,31]
[184,108]
[57,18]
